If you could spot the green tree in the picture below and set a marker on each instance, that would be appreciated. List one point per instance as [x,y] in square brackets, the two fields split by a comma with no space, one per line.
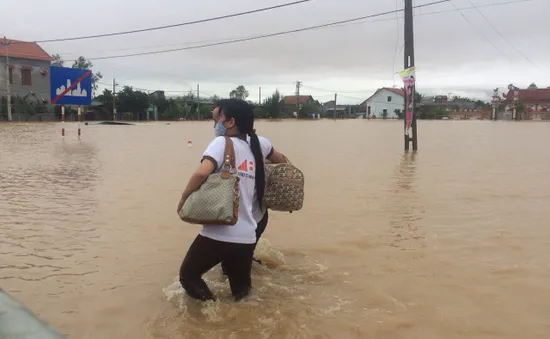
[418,97]
[399,113]
[520,108]
[57,60]
[24,105]
[481,104]
[240,93]
[106,98]
[306,110]
[82,63]
[173,111]
[188,106]
[532,86]
[214,98]
[260,112]
[3,108]
[132,101]
[158,99]
[272,105]
[206,112]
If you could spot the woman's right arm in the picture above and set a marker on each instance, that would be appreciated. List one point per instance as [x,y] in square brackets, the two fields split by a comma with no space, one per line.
[277,157]
[271,154]
[212,156]
[197,179]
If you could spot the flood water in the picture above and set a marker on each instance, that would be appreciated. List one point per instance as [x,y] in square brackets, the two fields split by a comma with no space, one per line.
[451,242]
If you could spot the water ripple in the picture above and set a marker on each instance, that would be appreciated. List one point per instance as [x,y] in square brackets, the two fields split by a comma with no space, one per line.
[46,204]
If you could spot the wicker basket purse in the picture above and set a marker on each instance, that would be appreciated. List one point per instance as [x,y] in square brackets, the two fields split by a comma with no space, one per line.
[284,190]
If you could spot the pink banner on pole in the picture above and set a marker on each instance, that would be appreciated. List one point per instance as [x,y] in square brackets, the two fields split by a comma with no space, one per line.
[409,80]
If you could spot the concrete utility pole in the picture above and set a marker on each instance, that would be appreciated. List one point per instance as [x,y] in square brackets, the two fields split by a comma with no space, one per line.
[409,62]
[114,99]
[515,112]
[8,78]
[334,112]
[260,95]
[298,85]
[198,104]
[495,104]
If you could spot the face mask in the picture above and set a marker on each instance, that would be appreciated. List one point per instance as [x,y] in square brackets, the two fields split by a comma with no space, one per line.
[219,129]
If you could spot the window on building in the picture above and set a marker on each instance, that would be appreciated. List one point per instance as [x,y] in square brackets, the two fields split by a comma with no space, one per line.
[11,76]
[389,98]
[26,77]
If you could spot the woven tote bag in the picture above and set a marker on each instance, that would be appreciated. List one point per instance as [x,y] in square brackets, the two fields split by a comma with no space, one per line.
[216,202]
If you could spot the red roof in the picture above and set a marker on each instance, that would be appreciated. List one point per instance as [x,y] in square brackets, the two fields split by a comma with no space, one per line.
[24,50]
[531,96]
[397,91]
[291,99]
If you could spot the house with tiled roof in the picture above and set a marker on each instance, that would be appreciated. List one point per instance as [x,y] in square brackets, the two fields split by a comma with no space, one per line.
[383,103]
[289,103]
[28,70]
[536,102]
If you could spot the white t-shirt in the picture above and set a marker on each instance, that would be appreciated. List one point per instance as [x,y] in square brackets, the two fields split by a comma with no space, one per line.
[267,148]
[243,231]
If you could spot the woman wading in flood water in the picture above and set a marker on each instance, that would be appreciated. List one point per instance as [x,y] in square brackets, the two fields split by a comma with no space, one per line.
[232,246]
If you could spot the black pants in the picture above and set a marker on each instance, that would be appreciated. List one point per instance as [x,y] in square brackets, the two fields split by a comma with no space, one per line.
[206,253]
[260,228]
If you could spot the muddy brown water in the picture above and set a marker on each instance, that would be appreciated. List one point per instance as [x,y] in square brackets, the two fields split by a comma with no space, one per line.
[451,242]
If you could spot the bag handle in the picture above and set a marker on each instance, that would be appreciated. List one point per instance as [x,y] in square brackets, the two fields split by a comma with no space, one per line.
[228,158]
[286,159]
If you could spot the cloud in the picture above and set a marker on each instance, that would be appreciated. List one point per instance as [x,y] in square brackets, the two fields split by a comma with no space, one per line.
[454,52]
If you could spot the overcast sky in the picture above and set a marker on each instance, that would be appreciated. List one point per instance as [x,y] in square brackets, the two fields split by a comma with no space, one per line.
[453,53]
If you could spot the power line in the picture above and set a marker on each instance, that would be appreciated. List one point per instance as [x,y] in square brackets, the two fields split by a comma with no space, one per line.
[347,96]
[186,44]
[332,90]
[175,25]
[396,41]
[501,35]
[481,34]
[495,4]
[154,90]
[262,36]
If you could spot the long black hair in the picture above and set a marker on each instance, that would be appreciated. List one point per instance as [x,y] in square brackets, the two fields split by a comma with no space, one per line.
[243,114]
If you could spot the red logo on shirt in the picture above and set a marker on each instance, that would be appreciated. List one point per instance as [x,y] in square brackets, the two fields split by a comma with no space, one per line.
[246,166]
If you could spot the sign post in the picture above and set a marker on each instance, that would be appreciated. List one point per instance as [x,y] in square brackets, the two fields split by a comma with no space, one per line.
[70,86]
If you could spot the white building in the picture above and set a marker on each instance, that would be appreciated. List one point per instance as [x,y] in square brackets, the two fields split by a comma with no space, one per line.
[384,102]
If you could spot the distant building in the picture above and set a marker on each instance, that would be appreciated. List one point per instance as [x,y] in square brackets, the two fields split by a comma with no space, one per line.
[536,102]
[29,67]
[475,114]
[443,102]
[383,103]
[289,103]
[342,111]
[97,111]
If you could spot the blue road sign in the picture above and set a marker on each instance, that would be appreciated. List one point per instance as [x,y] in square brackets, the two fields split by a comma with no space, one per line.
[70,86]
